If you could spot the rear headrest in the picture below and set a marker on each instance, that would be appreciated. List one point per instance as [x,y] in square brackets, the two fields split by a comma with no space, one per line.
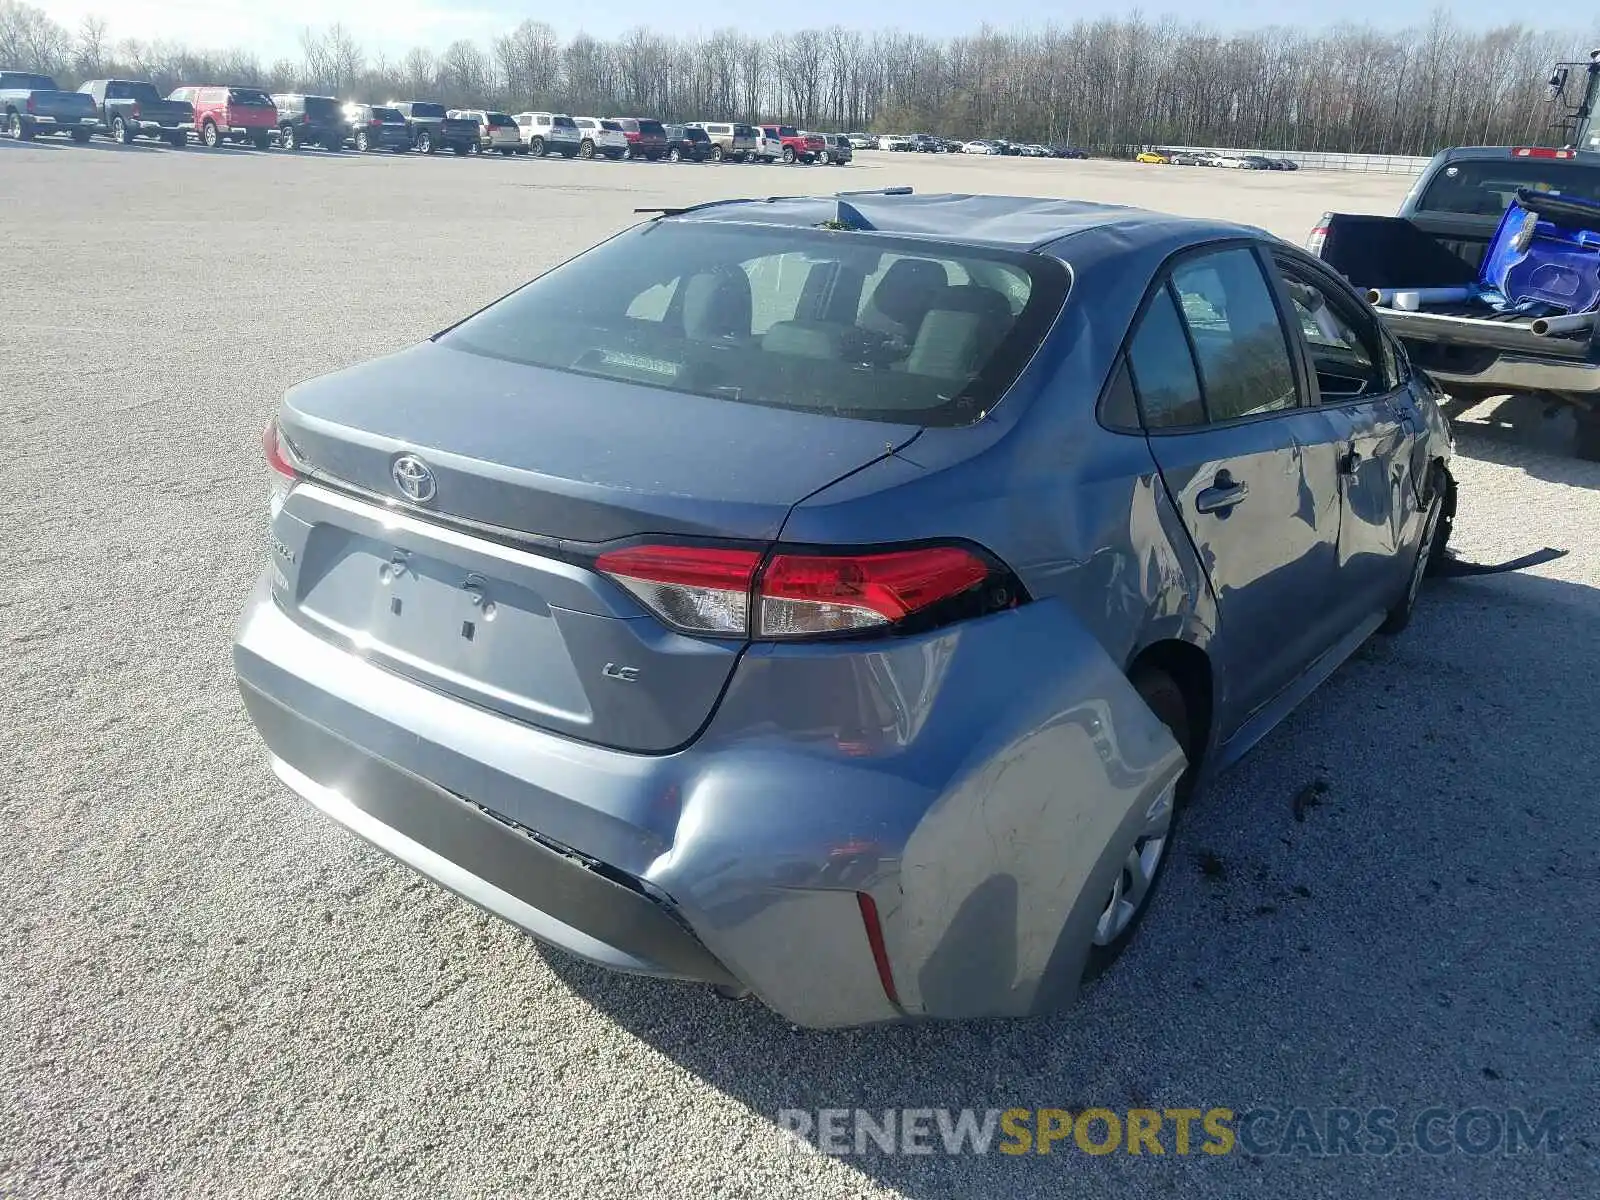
[717,304]
[909,289]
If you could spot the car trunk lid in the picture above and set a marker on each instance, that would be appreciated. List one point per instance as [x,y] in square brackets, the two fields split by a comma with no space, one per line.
[485,588]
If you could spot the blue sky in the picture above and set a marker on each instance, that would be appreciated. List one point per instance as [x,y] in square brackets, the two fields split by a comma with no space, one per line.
[272,27]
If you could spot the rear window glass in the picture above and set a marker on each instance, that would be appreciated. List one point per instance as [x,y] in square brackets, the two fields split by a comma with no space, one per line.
[132,91]
[564,123]
[788,131]
[32,83]
[322,106]
[854,324]
[627,124]
[501,121]
[613,126]
[388,114]
[744,131]
[427,110]
[696,135]
[1487,188]
[652,127]
[249,98]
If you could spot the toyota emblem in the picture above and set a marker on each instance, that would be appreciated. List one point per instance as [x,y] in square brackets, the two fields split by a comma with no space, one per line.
[414,478]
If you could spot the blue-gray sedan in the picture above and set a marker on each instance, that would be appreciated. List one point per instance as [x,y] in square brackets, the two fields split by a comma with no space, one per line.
[837,599]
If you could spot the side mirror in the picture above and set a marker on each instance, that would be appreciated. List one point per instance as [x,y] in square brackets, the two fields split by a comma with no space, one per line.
[1557,84]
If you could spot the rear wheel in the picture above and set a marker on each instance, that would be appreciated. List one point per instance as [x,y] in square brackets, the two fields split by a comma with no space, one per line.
[120,131]
[81,136]
[586,149]
[674,155]
[788,154]
[1147,854]
[425,142]
[210,135]
[263,141]
[716,154]
[460,150]
[288,138]
[536,147]
[363,141]
[178,140]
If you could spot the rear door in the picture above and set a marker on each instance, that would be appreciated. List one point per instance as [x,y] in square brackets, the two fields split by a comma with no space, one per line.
[1248,461]
[1359,386]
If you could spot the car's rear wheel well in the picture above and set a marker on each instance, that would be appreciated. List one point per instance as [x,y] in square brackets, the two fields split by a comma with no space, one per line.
[1189,667]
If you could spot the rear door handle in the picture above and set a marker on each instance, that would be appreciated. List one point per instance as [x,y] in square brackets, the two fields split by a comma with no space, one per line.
[1222,495]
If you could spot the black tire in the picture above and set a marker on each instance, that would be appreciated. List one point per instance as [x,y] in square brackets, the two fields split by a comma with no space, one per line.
[363,142]
[586,148]
[120,132]
[1166,700]
[788,155]
[536,147]
[460,150]
[19,129]
[82,136]
[1430,549]
[716,154]
[288,138]
[674,155]
[425,142]
[263,141]
[211,135]
[178,140]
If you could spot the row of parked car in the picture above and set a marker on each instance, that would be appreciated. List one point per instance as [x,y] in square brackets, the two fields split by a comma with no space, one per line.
[1214,158]
[124,109]
[927,143]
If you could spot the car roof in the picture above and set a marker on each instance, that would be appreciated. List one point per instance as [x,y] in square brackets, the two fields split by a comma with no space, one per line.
[1002,222]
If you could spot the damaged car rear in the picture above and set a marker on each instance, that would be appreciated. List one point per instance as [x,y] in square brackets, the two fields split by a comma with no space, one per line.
[837,599]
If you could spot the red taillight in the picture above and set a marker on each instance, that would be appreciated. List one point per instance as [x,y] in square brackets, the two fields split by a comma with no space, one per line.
[880,953]
[699,589]
[374,124]
[30,106]
[1541,152]
[273,449]
[1318,235]
[804,594]
[134,111]
[717,590]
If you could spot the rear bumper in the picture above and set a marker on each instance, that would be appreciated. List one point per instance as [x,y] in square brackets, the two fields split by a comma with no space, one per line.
[1513,373]
[491,863]
[162,127]
[978,805]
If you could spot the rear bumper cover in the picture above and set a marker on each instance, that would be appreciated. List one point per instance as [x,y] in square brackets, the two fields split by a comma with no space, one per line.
[979,804]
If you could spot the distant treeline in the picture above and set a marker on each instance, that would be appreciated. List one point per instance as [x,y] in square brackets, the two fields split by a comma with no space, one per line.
[1098,84]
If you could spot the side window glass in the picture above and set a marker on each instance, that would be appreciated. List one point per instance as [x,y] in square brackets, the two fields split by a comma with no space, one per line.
[1163,369]
[652,303]
[1244,358]
[1350,356]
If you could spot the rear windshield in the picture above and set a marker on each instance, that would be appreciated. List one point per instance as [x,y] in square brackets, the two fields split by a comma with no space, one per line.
[788,131]
[389,114]
[614,126]
[322,106]
[563,123]
[31,83]
[627,124]
[501,121]
[428,110]
[131,90]
[1487,188]
[696,135]
[652,127]
[250,98]
[744,131]
[859,325]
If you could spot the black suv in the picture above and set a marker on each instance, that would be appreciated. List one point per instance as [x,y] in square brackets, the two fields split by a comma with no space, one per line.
[688,141]
[311,120]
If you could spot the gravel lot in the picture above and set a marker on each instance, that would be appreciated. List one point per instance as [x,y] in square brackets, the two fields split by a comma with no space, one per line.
[207,989]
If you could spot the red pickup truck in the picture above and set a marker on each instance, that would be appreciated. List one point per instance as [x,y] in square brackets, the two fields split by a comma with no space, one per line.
[231,114]
[797,146]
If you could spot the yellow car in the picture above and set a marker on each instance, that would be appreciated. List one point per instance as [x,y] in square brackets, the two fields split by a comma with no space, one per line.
[1150,156]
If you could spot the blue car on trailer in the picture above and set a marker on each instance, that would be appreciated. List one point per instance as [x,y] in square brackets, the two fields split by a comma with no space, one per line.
[838,599]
